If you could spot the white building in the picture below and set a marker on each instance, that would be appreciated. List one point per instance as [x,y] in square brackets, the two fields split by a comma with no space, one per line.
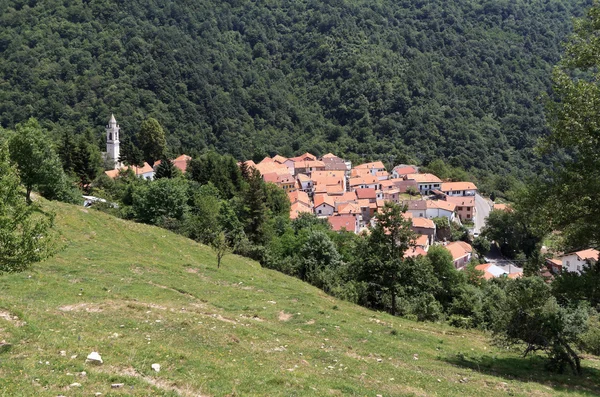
[113,150]
[459,189]
[576,261]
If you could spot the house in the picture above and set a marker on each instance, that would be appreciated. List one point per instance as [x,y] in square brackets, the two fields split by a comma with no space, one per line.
[145,171]
[413,252]
[491,271]
[268,166]
[382,175]
[398,184]
[180,162]
[364,182]
[347,197]
[461,253]
[374,167]
[329,185]
[400,171]
[422,241]
[297,208]
[349,208]
[554,265]
[324,205]
[425,182]
[304,183]
[391,195]
[424,226]
[346,222]
[308,166]
[369,194]
[291,162]
[334,163]
[430,209]
[465,207]
[576,261]
[279,159]
[298,196]
[367,209]
[459,188]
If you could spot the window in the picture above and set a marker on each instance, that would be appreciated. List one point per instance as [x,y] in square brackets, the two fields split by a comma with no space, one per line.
[459,208]
[578,268]
[110,136]
[468,216]
[319,211]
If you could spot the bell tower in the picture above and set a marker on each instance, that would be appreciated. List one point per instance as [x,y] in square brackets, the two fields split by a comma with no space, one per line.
[112,142]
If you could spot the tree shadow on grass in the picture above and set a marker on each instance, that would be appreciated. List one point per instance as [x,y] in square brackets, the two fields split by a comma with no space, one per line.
[531,369]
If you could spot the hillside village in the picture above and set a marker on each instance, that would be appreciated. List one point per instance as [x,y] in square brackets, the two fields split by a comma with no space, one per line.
[348,197]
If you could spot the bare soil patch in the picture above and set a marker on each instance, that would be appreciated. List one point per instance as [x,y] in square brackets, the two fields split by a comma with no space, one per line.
[4,314]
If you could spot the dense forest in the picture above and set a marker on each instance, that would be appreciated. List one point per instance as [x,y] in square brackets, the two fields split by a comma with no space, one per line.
[397,80]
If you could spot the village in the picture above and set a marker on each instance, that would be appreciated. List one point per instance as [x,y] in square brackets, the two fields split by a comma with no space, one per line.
[348,197]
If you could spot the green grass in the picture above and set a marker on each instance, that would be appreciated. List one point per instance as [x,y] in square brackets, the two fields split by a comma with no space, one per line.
[141,295]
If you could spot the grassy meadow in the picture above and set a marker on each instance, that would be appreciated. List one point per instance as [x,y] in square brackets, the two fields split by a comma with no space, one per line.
[140,295]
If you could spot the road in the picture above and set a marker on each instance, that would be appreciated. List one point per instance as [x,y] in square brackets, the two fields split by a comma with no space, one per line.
[483,208]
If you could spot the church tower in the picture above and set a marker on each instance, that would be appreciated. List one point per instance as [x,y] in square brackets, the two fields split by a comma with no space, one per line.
[112,142]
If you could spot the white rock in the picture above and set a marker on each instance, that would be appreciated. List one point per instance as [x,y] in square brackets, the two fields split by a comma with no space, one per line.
[63,353]
[94,358]
[75,385]
[117,385]
[156,367]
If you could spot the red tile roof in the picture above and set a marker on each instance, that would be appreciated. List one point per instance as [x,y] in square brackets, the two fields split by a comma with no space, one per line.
[340,222]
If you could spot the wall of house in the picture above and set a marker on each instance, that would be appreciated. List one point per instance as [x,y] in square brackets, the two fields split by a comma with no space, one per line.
[572,263]
[437,213]
[462,262]
[461,193]
[465,213]
[324,210]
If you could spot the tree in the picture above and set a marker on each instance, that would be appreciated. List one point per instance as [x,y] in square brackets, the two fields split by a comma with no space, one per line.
[413,191]
[166,169]
[482,246]
[37,163]
[221,245]
[568,195]
[130,154]
[159,201]
[255,209]
[381,256]
[86,162]
[151,138]
[533,318]
[25,230]
[318,261]
[443,268]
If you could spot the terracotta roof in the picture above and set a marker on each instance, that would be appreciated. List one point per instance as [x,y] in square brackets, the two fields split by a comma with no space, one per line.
[423,223]
[303,157]
[299,196]
[555,261]
[340,222]
[349,208]
[454,186]
[414,252]
[442,205]
[424,178]
[501,207]
[382,173]
[266,160]
[375,164]
[270,177]
[303,178]
[112,173]
[366,193]
[335,189]
[588,254]
[347,197]
[329,155]
[380,203]
[181,162]
[404,169]
[297,208]
[422,240]
[460,201]
[142,170]
[358,172]
[279,159]
[323,199]
[309,164]
[327,174]
[365,180]
[267,167]
[363,203]
[459,249]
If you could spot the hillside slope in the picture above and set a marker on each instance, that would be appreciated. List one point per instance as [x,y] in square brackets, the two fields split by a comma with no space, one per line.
[140,295]
[407,79]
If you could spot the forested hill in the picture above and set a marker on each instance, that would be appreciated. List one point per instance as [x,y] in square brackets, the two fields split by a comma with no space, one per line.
[457,79]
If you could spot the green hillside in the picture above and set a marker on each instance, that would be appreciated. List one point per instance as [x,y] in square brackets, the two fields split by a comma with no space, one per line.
[140,295]
[398,80]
